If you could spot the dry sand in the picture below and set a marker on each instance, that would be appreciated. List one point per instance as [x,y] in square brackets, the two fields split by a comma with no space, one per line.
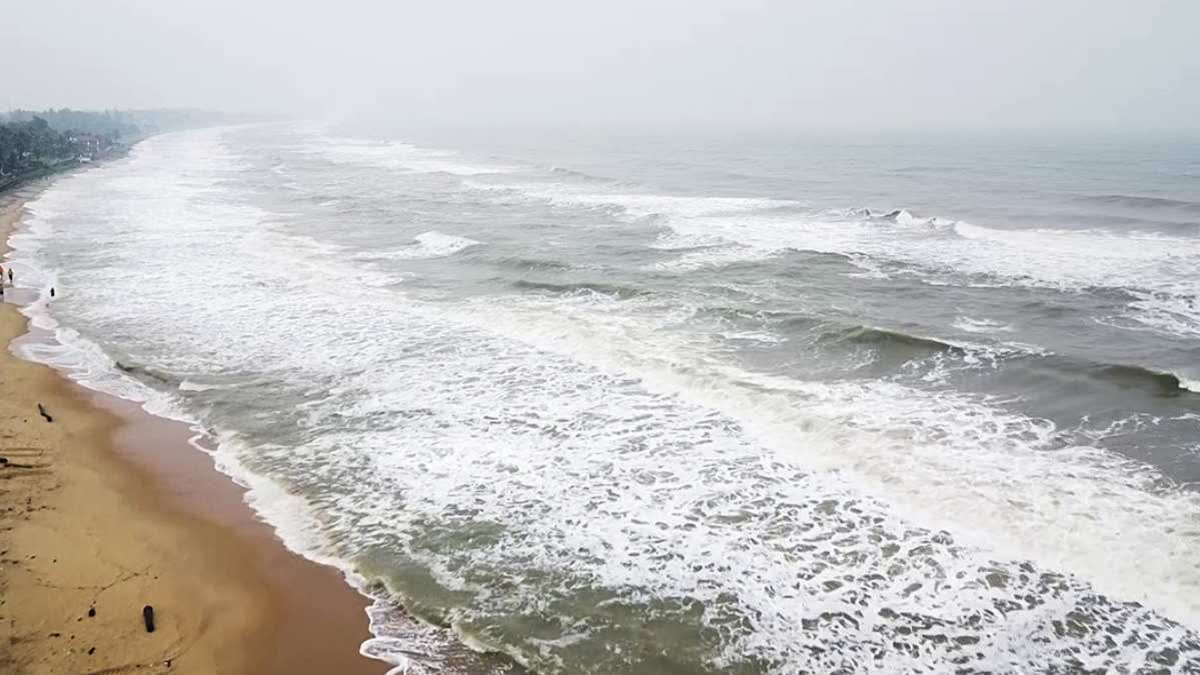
[107,509]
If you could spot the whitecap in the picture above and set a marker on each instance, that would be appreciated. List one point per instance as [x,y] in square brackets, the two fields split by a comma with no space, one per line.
[969,325]
[432,244]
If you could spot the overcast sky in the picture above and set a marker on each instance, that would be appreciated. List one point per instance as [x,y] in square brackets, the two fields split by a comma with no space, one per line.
[873,64]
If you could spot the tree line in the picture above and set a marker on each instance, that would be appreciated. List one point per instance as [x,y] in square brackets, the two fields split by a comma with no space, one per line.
[30,143]
[34,143]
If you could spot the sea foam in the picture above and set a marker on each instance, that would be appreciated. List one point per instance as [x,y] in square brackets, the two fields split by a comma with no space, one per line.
[569,477]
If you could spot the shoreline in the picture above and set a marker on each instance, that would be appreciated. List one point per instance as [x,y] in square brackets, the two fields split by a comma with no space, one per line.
[107,509]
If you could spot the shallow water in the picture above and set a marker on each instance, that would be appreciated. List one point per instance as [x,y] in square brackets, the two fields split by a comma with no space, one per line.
[643,405]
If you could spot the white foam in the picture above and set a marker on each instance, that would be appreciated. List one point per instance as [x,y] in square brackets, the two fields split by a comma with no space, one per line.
[607,445]
[1160,271]
[86,362]
[432,244]
[632,204]
[713,257]
[969,325]
[401,156]
[916,450]
[752,336]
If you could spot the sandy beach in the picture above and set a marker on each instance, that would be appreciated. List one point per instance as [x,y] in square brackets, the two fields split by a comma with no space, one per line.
[105,510]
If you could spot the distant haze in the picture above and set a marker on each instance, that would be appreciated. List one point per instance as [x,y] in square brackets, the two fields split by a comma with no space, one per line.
[884,64]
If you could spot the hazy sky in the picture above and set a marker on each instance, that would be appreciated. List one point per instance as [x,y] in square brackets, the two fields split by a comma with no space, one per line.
[877,64]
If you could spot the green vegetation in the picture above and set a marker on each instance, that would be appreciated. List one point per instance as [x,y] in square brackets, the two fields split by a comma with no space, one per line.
[31,146]
[80,121]
[34,144]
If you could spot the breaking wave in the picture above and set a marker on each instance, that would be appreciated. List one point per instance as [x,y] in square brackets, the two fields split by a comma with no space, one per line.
[425,245]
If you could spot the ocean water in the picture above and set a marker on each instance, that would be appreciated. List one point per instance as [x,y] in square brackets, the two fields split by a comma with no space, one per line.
[622,403]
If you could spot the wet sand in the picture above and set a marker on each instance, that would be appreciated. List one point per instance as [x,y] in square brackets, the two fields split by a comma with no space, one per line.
[106,509]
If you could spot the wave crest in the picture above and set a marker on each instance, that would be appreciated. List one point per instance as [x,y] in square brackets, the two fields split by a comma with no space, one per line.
[432,244]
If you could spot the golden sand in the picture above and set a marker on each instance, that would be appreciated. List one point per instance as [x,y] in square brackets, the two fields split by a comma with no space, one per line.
[106,509]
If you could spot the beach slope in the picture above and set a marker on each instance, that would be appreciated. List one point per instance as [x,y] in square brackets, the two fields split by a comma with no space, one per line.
[105,510]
